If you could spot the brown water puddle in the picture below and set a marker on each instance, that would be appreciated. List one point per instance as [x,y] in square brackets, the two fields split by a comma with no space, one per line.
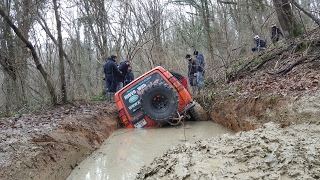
[127,150]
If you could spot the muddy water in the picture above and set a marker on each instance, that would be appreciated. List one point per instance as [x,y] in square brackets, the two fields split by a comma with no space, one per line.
[126,150]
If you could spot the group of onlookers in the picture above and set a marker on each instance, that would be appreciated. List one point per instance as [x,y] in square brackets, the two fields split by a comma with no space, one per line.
[196,71]
[116,76]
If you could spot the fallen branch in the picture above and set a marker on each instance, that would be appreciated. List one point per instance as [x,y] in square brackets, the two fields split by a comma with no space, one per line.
[268,58]
[299,61]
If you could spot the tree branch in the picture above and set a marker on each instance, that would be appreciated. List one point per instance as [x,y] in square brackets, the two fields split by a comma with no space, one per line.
[227,2]
[314,18]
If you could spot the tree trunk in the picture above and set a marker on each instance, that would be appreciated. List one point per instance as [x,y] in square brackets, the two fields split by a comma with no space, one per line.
[34,55]
[61,61]
[286,18]
[206,20]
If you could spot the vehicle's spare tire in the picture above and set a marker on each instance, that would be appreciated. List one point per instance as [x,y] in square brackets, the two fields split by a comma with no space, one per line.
[160,102]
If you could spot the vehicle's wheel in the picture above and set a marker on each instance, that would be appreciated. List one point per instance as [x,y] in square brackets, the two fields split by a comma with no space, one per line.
[197,113]
[160,102]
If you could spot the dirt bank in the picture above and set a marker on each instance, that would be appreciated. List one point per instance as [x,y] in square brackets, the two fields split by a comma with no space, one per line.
[249,113]
[50,145]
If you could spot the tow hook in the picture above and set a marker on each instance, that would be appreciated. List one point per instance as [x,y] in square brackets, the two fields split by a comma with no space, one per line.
[178,119]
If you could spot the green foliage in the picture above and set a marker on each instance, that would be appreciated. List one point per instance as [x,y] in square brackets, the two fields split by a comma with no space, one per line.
[100,97]
[297,31]
[209,82]
[304,45]
[69,105]
[209,99]
[10,114]
[231,96]
[278,44]
[211,94]
[36,111]
[256,61]
[273,99]
[239,88]
[238,64]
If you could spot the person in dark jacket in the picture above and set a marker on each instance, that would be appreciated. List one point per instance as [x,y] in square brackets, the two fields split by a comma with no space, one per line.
[192,72]
[112,74]
[123,67]
[200,68]
[275,33]
[129,76]
[260,44]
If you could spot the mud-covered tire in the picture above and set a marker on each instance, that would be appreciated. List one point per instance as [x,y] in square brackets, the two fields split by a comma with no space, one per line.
[160,102]
[197,113]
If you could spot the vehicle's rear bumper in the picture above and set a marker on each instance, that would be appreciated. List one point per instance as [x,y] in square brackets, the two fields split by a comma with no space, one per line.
[190,106]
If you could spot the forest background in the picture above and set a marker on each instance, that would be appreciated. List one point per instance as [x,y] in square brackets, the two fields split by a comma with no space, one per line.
[52,52]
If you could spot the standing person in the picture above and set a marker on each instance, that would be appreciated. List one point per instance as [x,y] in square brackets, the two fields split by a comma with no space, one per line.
[129,76]
[123,67]
[260,44]
[192,72]
[181,79]
[200,68]
[275,34]
[112,74]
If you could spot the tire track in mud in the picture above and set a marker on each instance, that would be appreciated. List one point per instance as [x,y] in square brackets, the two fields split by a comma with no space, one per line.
[270,152]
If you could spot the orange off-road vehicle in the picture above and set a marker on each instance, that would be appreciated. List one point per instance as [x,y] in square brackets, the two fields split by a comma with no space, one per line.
[154,99]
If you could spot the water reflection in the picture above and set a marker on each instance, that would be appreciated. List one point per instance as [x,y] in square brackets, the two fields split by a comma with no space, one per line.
[126,150]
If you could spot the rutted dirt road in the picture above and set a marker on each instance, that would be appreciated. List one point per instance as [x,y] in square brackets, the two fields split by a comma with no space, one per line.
[50,145]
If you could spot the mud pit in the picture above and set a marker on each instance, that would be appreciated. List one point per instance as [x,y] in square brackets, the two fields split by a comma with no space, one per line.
[285,148]
[126,150]
[51,145]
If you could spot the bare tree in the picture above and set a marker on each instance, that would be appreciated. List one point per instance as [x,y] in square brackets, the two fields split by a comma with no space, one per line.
[45,27]
[206,18]
[61,54]
[34,55]
[286,18]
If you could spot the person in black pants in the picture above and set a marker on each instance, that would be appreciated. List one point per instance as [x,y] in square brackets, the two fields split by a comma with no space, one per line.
[275,34]
[112,74]
[192,73]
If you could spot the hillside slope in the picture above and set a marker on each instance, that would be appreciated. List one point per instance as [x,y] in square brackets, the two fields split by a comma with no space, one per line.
[273,102]
[280,84]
